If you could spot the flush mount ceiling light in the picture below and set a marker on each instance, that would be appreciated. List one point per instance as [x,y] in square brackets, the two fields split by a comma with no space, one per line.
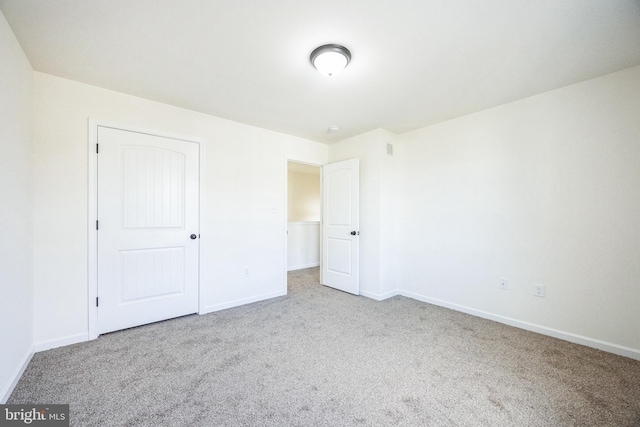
[330,59]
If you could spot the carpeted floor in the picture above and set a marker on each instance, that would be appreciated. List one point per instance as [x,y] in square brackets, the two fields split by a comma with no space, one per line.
[320,357]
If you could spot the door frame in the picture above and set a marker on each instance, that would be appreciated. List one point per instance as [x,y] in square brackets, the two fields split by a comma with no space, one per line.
[286,218]
[92,210]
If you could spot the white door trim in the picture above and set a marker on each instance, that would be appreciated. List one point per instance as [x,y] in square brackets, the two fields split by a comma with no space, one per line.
[92,210]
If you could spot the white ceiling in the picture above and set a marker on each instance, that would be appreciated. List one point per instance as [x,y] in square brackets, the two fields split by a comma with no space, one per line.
[415,62]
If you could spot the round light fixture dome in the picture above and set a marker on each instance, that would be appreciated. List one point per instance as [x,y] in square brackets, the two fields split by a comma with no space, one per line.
[330,59]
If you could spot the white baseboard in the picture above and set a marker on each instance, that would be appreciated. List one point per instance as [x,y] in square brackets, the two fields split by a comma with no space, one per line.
[8,389]
[380,297]
[239,302]
[566,336]
[300,267]
[61,342]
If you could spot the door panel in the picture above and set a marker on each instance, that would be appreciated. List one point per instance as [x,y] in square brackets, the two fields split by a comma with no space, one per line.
[340,227]
[148,207]
[152,273]
[339,186]
[339,251]
[153,185]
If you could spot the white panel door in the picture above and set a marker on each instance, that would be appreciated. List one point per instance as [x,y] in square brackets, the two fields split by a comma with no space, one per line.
[148,228]
[340,226]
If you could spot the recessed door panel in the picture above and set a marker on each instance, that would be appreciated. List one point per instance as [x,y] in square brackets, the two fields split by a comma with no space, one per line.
[153,187]
[338,187]
[152,273]
[339,251]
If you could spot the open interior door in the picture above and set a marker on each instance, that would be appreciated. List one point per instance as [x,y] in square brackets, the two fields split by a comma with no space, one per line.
[340,225]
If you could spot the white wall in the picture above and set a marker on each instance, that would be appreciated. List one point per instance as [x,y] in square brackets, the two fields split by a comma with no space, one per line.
[543,190]
[303,245]
[243,217]
[378,214]
[16,191]
[303,197]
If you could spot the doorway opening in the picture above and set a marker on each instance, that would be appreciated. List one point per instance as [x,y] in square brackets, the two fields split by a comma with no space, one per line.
[304,211]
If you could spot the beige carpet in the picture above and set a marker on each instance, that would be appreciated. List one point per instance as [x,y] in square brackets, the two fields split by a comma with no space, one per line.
[320,357]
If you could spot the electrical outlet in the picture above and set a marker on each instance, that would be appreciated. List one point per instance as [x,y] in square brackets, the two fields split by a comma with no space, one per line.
[539,291]
[504,284]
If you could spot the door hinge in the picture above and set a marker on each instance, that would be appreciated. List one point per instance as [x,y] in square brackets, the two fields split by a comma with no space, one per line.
[96,224]
[96,301]
[97,149]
